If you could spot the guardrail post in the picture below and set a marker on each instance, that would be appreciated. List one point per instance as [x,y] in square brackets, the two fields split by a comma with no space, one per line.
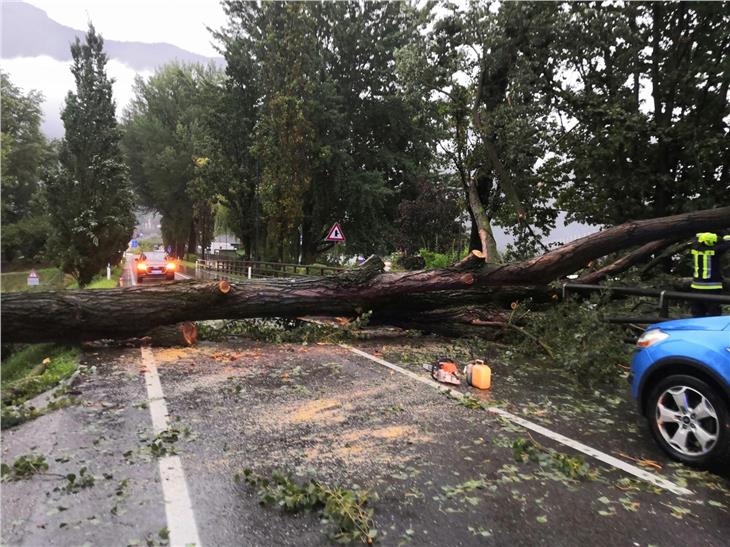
[663,305]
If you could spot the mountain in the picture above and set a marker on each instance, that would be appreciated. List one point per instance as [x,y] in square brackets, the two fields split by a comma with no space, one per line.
[27,31]
[36,55]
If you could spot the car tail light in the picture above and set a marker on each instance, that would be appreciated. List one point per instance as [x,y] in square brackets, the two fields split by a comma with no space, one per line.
[651,337]
[171,266]
[142,267]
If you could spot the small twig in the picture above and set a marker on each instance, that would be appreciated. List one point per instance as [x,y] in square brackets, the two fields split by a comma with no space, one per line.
[644,463]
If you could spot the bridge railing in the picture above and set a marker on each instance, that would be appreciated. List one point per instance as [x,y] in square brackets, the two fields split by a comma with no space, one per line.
[234,270]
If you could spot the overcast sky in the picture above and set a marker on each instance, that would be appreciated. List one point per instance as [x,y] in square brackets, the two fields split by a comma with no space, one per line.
[178,22]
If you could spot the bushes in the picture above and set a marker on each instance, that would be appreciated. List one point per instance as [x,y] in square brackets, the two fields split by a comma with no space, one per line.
[441,260]
[25,238]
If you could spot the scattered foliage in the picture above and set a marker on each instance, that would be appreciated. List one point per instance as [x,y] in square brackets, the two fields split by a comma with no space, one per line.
[14,415]
[347,511]
[281,330]
[75,483]
[163,443]
[581,341]
[24,467]
[573,467]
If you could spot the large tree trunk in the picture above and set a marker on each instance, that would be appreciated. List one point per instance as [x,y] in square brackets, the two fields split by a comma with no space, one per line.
[133,311]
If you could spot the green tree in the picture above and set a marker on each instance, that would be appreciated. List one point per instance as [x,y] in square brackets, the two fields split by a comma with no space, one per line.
[89,200]
[432,219]
[25,154]
[334,138]
[480,62]
[174,163]
[645,109]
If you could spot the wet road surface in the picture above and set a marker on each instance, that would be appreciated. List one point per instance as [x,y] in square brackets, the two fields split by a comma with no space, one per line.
[445,474]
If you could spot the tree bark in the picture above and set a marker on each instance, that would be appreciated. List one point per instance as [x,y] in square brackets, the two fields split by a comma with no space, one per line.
[637,256]
[134,311]
[182,334]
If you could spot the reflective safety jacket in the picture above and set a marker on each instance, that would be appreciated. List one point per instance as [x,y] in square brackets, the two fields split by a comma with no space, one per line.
[706,254]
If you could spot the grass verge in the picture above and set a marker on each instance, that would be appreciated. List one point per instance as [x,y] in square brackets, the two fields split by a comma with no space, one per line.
[31,371]
[50,279]
[101,282]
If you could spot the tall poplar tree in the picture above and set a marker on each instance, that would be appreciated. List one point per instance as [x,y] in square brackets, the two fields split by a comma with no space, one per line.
[89,200]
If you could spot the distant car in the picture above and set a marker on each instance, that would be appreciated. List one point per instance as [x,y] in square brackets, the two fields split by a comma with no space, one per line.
[680,377]
[156,265]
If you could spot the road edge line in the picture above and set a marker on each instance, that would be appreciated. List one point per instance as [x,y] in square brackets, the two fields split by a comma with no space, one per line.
[178,506]
[557,437]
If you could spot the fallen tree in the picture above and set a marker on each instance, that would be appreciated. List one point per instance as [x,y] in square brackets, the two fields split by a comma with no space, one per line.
[471,292]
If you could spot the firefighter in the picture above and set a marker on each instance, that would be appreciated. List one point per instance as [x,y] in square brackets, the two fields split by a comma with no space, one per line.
[707,253]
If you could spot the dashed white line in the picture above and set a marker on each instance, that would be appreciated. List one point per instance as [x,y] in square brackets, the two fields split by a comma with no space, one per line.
[580,447]
[132,273]
[178,507]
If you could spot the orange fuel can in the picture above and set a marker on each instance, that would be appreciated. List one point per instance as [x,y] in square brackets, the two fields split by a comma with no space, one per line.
[479,375]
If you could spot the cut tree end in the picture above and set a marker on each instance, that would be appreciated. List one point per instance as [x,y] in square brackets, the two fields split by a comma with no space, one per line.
[224,287]
[189,332]
[473,261]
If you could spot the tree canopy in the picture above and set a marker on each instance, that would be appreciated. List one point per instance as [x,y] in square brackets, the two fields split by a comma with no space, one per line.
[89,200]
[25,153]
[412,124]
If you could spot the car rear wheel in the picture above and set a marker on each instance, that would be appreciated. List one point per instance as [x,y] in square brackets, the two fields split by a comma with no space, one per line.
[690,420]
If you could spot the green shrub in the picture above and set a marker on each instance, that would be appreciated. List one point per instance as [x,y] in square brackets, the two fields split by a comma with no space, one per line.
[441,260]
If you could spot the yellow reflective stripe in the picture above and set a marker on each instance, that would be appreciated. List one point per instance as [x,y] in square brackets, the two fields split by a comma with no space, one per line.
[706,285]
[696,255]
[726,238]
[707,264]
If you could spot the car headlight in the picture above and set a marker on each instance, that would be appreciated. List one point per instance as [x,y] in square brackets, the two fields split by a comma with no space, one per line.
[171,266]
[651,337]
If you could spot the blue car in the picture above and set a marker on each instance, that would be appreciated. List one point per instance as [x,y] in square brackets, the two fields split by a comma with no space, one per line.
[680,377]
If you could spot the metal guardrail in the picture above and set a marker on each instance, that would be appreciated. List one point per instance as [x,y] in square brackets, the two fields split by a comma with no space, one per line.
[664,297]
[252,268]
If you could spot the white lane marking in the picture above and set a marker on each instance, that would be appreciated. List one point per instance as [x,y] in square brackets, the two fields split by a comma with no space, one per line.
[183,276]
[132,275]
[580,447]
[178,507]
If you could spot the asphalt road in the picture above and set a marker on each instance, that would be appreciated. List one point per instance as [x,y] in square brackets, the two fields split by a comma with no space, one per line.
[445,474]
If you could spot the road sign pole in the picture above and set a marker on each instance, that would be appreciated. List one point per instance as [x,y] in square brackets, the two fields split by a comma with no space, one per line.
[108,271]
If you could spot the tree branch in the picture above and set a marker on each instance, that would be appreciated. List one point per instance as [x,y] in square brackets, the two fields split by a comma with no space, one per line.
[627,261]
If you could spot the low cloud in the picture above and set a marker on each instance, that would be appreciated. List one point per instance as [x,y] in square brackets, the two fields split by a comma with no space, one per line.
[54,79]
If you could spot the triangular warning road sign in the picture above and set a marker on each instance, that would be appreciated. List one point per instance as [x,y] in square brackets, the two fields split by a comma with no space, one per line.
[335,233]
